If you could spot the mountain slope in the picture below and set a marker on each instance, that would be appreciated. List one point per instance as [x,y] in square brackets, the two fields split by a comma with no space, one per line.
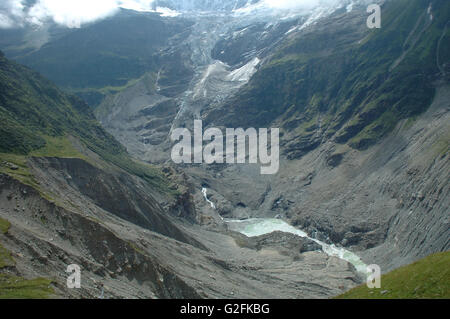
[48,112]
[363,115]
[39,120]
[364,121]
[340,81]
[428,278]
[36,114]
[59,166]
[79,199]
[103,57]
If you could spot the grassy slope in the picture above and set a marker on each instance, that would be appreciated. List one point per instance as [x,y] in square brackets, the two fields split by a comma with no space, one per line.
[13,287]
[4,226]
[427,278]
[5,256]
[37,118]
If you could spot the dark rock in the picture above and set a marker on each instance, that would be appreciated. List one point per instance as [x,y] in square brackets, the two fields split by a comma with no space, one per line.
[335,160]
[286,243]
[11,166]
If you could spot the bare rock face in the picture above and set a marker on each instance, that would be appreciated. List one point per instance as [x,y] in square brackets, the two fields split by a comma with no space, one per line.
[50,237]
[119,259]
[119,194]
[388,203]
[393,199]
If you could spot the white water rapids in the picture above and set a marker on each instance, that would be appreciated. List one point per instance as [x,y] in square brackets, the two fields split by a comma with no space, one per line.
[205,195]
[260,226]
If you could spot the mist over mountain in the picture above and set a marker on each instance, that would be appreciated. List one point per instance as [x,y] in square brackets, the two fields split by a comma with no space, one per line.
[74,14]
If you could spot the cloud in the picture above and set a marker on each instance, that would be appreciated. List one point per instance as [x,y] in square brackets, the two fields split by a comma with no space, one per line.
[11,13]
[5,21]
[137,5]
[75,13]
[71,13]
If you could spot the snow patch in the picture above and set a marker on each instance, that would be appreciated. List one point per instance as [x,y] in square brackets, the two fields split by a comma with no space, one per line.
[244,73]
[166,12]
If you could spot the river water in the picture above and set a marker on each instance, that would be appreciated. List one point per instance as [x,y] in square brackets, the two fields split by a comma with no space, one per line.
[205,196]
[261,226]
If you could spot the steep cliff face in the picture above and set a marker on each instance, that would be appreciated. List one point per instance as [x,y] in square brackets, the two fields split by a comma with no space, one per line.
[392,203]
[319,80]
[341,82]
[45,238]
[121,194]
[350,103]
[388,203]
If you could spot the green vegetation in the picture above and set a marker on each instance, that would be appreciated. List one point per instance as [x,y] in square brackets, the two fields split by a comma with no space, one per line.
[12,287]
[148,79]
[4,226]
[21,173]
[37,120]
[109,90]
[103,57]
[5,256]
[57,147]
[94,96]
[6,259]
[425,279]
[359,89]
[31,109]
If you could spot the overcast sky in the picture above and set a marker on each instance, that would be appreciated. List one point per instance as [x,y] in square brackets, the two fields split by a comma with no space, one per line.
[74,13]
